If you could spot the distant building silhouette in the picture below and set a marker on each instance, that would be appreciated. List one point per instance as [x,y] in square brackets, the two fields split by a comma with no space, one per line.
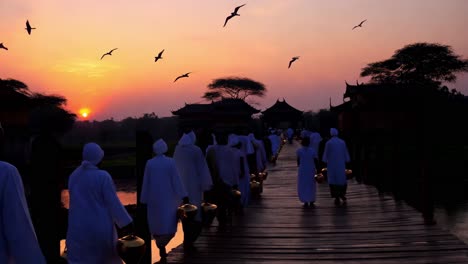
[282,115]
[227,114]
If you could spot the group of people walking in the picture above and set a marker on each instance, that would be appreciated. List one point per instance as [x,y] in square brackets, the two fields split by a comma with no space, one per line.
[190,176]
[335,155]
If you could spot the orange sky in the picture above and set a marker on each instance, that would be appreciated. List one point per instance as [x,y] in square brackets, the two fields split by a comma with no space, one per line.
[62,56]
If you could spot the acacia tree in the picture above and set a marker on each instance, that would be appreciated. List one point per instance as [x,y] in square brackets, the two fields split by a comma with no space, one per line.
[234,87]
[419,63]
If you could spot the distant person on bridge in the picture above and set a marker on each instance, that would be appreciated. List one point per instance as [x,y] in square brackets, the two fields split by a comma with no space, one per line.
[306,188]
[242,146]
[290,135]
[336,156]
[18,241]
[162,191]
[195,176]
[275,141]
[225,169]
[260,153]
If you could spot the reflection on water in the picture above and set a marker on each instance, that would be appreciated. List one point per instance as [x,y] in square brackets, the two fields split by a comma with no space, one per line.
[127,195]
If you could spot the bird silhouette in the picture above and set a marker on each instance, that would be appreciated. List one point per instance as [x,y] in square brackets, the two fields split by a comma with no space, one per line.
[292,60]
[3,47]
[108,53]
[233,14]
[28,27]
[159,56]
[360,24]
[182,76]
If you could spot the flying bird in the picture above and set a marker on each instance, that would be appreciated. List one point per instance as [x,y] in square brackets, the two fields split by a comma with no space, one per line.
[293,60]
[108,53]
[182,76]
[233,14]
[159,56]
[28,27]
[3,47]
[360,24]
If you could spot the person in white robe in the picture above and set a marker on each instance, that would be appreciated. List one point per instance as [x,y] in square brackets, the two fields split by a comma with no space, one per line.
[290,135]
[305,133]
[163,192]
[94,211]
[336,156]
[18,241]
[275,143]
[306,188]
[242,146]
[315,140]
[195,175]
[225,168]
[260,153]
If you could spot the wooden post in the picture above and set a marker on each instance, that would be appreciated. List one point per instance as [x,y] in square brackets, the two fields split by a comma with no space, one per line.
[144,142]
[45,199]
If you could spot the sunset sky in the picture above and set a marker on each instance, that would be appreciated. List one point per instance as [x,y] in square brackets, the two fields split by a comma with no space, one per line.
[62,56]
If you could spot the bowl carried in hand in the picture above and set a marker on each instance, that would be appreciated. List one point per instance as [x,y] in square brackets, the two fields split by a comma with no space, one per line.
[131,249]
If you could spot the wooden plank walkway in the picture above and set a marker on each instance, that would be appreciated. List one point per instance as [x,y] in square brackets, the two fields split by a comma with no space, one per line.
[369,229]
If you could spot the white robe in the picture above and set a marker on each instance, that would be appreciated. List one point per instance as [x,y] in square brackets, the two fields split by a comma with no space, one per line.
[315,140]
[306,174]
[336,155]
[227,163]
[275,143]
[18,242]
[246,145]
[260,153]
[94,211]
[290,133]
[244,177]
[162,191]
[194,173]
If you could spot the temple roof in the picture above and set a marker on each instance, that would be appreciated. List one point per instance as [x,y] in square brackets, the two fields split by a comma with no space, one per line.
[281,107]
[346,106]
[226,105]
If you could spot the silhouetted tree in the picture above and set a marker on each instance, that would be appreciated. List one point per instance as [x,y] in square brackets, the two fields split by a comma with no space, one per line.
[46,111]
[234,87]
[14,85]
[211,96]
[419,63]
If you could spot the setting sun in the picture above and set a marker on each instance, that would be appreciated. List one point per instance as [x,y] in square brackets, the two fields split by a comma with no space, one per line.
[84,112]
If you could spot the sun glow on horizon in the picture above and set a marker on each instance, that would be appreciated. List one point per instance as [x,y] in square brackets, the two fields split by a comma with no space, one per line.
[84,112]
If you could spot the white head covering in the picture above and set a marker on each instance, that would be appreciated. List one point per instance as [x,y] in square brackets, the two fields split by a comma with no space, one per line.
[333,132]
[305,133]
[233,140]
[92,153]
[192,136]
[160,147]
[185,140]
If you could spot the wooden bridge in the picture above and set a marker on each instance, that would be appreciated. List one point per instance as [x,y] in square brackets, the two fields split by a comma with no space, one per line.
[369,229]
